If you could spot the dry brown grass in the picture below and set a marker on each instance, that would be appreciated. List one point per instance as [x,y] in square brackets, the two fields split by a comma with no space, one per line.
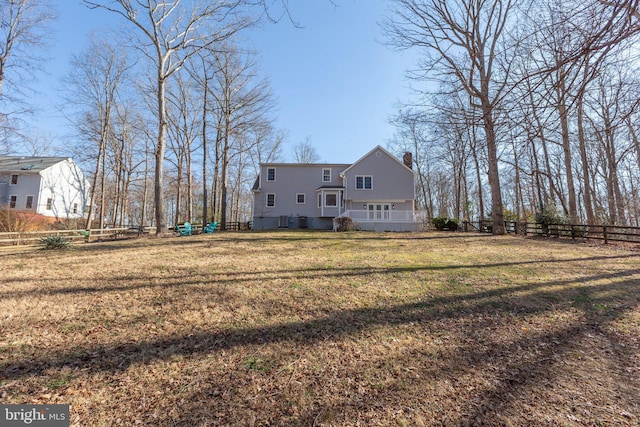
[303,328]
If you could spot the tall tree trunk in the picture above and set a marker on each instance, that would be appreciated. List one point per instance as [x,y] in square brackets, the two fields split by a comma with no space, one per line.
[494,174]
[588,202]
[159,197]
[566,148]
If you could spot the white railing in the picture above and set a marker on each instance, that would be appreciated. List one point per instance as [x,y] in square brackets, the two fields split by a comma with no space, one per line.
[381,216]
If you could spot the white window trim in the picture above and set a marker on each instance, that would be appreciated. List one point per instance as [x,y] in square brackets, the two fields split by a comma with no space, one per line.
[323,175]
[304,199]
[275,175]
[320,200]
[11,179]
[363,182]
[337,200]
[266,202]
[49,204]
[15,204]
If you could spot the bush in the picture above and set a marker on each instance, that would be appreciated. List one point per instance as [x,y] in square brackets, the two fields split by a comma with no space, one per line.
[344,223]
[54,242]
[547,216]
[442,223]
[453,224]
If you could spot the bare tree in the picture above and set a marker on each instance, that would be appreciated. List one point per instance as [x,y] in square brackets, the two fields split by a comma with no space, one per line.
[242,102]
[460,39]
[94,83]
[170,34]
[23,29]
[305,152]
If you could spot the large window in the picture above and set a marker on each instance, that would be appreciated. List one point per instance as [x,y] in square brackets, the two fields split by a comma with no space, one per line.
[326,175]
[271,174]
[14,179]
[29,204]
[300,199]
[13,200]
[331,200]
[364,182]
[271,200]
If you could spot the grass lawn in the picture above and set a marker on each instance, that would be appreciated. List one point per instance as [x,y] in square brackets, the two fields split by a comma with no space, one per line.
[304,328]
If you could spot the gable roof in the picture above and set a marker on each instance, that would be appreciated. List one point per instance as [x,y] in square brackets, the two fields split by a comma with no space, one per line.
[378,147]
[23,164]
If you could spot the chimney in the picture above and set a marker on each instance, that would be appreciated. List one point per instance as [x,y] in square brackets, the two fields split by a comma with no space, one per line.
[407,159]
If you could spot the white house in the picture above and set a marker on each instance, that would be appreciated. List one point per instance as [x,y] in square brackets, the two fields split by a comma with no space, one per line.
[49,186]
[377,192]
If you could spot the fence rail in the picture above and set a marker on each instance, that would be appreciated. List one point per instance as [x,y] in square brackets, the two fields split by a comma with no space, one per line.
[606,233]
[16,238]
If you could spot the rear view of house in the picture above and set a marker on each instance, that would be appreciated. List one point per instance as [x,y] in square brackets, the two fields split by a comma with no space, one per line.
[377,192]
[50,186]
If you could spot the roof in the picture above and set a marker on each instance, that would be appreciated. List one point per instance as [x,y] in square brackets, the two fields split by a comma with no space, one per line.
[325,165]
[23,164]
[378,147]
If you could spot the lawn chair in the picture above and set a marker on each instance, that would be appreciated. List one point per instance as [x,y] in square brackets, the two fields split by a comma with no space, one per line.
[184,229]
[210,228]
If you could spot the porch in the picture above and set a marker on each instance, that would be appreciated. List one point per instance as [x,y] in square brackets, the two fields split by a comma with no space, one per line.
[385,219]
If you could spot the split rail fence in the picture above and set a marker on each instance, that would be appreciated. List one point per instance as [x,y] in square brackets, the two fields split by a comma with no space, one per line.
[606,233]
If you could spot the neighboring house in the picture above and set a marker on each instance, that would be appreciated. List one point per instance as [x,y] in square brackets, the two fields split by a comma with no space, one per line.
[49,186]
[377,192]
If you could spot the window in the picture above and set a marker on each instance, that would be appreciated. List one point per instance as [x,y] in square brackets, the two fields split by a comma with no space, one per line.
[75,208]
[300,199]
[319,200]
[326,175]
[14,179]
[271,174]
[49,203]
[12,201]
[330,199]
[364,182]
[271,200]
[29,204]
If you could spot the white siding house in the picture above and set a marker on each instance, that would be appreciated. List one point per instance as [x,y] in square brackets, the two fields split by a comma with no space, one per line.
[377,192]
[50,186]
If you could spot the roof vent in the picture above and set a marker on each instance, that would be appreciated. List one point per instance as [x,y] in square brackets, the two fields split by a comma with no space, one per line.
[27,168]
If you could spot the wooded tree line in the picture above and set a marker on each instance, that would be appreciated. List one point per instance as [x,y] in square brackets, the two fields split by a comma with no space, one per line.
[171,113]
[524,106]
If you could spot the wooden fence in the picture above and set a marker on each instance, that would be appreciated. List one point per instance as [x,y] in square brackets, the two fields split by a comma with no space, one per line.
[34,237]
[606,233]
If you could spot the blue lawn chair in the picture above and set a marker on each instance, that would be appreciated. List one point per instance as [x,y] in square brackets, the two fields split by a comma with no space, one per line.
[184,229]
[210,228]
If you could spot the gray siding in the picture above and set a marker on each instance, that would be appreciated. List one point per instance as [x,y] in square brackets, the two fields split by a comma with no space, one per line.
[28,185]
[290,181]
[392,181]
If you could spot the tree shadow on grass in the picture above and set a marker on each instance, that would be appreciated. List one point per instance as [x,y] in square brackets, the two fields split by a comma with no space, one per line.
[484,404]
[195,278]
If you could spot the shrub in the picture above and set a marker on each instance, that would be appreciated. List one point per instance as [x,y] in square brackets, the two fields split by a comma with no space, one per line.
[547,216]
[344,223]
[453,224]
[442,223]
[54,242]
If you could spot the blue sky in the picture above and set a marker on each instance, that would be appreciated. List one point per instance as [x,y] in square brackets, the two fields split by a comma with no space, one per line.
[335,83]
